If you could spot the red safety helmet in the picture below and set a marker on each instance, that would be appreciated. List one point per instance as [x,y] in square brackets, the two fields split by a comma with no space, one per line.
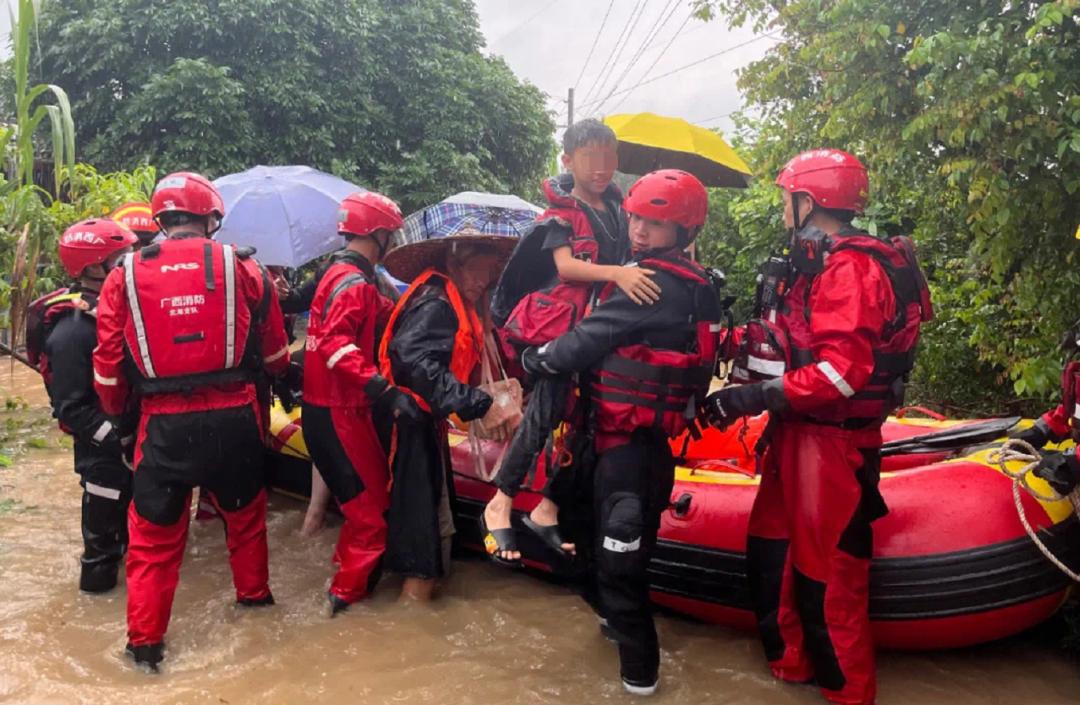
[833,178]
[186,192]
[92,242]
[136,216]
[362,213]
[670,195]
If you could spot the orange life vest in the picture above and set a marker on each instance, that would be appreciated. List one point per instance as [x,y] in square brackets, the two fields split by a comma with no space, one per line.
[468,341]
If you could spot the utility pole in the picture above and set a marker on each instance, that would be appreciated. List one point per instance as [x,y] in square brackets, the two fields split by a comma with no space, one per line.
[570,107]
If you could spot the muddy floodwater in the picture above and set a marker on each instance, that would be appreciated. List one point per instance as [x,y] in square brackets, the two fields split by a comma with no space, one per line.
[493,637]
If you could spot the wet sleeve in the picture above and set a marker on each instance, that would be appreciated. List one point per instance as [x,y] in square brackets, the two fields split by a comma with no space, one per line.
[350,367]
[420,352]
[110,384]
[70,347]
[556,236]
[299,299]
[266,317]
[616,322]
[850,302]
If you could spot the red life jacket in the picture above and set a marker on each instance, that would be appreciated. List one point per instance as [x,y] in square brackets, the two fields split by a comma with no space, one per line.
[541,316]
[468,341]
[763,353]
[566,210]
[639,386]
[41,314]
[895,358]
[1070,383]
[188,324]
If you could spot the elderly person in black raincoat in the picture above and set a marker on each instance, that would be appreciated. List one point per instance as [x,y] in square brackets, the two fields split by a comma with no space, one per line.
[432,348]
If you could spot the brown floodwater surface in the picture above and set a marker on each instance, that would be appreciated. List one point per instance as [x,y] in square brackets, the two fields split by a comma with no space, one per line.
[493,637]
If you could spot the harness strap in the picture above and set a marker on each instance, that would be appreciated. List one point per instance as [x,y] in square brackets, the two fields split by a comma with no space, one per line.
[652,389]
[645,372]
[187,383]
[660,404]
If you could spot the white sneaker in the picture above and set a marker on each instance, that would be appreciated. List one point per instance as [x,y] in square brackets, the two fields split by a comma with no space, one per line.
[641,689]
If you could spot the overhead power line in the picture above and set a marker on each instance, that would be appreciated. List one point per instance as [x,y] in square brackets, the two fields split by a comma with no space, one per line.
[651,66]
[595,41]
[597,86]
[703,122]
[683,68]
[666,13]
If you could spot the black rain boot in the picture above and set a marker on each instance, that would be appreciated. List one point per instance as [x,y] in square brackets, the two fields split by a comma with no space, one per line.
[639,668]
[336,604]
[147,655]
[256,601]
[99,577]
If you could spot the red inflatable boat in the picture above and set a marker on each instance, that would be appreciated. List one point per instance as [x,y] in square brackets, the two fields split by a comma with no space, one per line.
[952,563]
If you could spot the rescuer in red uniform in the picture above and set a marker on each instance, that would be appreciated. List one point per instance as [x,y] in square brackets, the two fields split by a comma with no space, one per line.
[61,335]
[651,366]
[1061,470]
[187,324]
[851,313]
[139,219]
[343,387]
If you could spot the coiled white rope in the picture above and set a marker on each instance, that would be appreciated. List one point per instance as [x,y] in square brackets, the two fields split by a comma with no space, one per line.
[1016,450]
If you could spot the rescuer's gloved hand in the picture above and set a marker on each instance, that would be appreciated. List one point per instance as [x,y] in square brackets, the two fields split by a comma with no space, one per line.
[399,405]
[532,360]
[722,408]
[1061,471]
[289,387]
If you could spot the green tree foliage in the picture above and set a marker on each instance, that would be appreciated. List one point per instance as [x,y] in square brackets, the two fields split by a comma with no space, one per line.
[968,117]
[394,94]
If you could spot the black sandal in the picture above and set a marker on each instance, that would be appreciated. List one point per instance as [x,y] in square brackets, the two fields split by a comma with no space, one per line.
[498,541]
[549,535]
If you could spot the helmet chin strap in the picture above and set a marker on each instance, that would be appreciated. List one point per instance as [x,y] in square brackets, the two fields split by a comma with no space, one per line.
[383,243]
[797,221]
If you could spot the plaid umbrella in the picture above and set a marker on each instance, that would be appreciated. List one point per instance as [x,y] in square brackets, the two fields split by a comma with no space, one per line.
[484,213]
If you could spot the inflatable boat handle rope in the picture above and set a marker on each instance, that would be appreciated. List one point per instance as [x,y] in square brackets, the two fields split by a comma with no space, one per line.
[1016,450]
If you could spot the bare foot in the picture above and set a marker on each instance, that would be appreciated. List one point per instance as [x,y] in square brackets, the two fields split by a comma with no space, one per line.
[547,514]
[497,516]
[316,511]
[313,523]
[418,589]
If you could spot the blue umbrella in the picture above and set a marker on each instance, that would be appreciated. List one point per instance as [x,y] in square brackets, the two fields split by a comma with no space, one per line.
[485,213]
[289,214]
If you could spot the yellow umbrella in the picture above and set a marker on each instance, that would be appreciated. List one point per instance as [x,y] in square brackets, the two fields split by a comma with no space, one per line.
[648,142]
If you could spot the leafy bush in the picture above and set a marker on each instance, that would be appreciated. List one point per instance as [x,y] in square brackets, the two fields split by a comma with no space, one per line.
[968,118]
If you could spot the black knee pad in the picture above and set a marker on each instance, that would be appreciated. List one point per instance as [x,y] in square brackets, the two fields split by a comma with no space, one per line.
[622,523]
[810,602]
[160,503]
[765,560]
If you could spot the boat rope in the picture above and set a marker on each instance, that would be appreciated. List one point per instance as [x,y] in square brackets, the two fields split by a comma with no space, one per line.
[1016,450]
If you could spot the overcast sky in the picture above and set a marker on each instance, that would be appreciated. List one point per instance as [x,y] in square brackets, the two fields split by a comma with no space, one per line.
[547,42]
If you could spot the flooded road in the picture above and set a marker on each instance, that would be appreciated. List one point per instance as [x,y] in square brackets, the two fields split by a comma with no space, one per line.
[494,637]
